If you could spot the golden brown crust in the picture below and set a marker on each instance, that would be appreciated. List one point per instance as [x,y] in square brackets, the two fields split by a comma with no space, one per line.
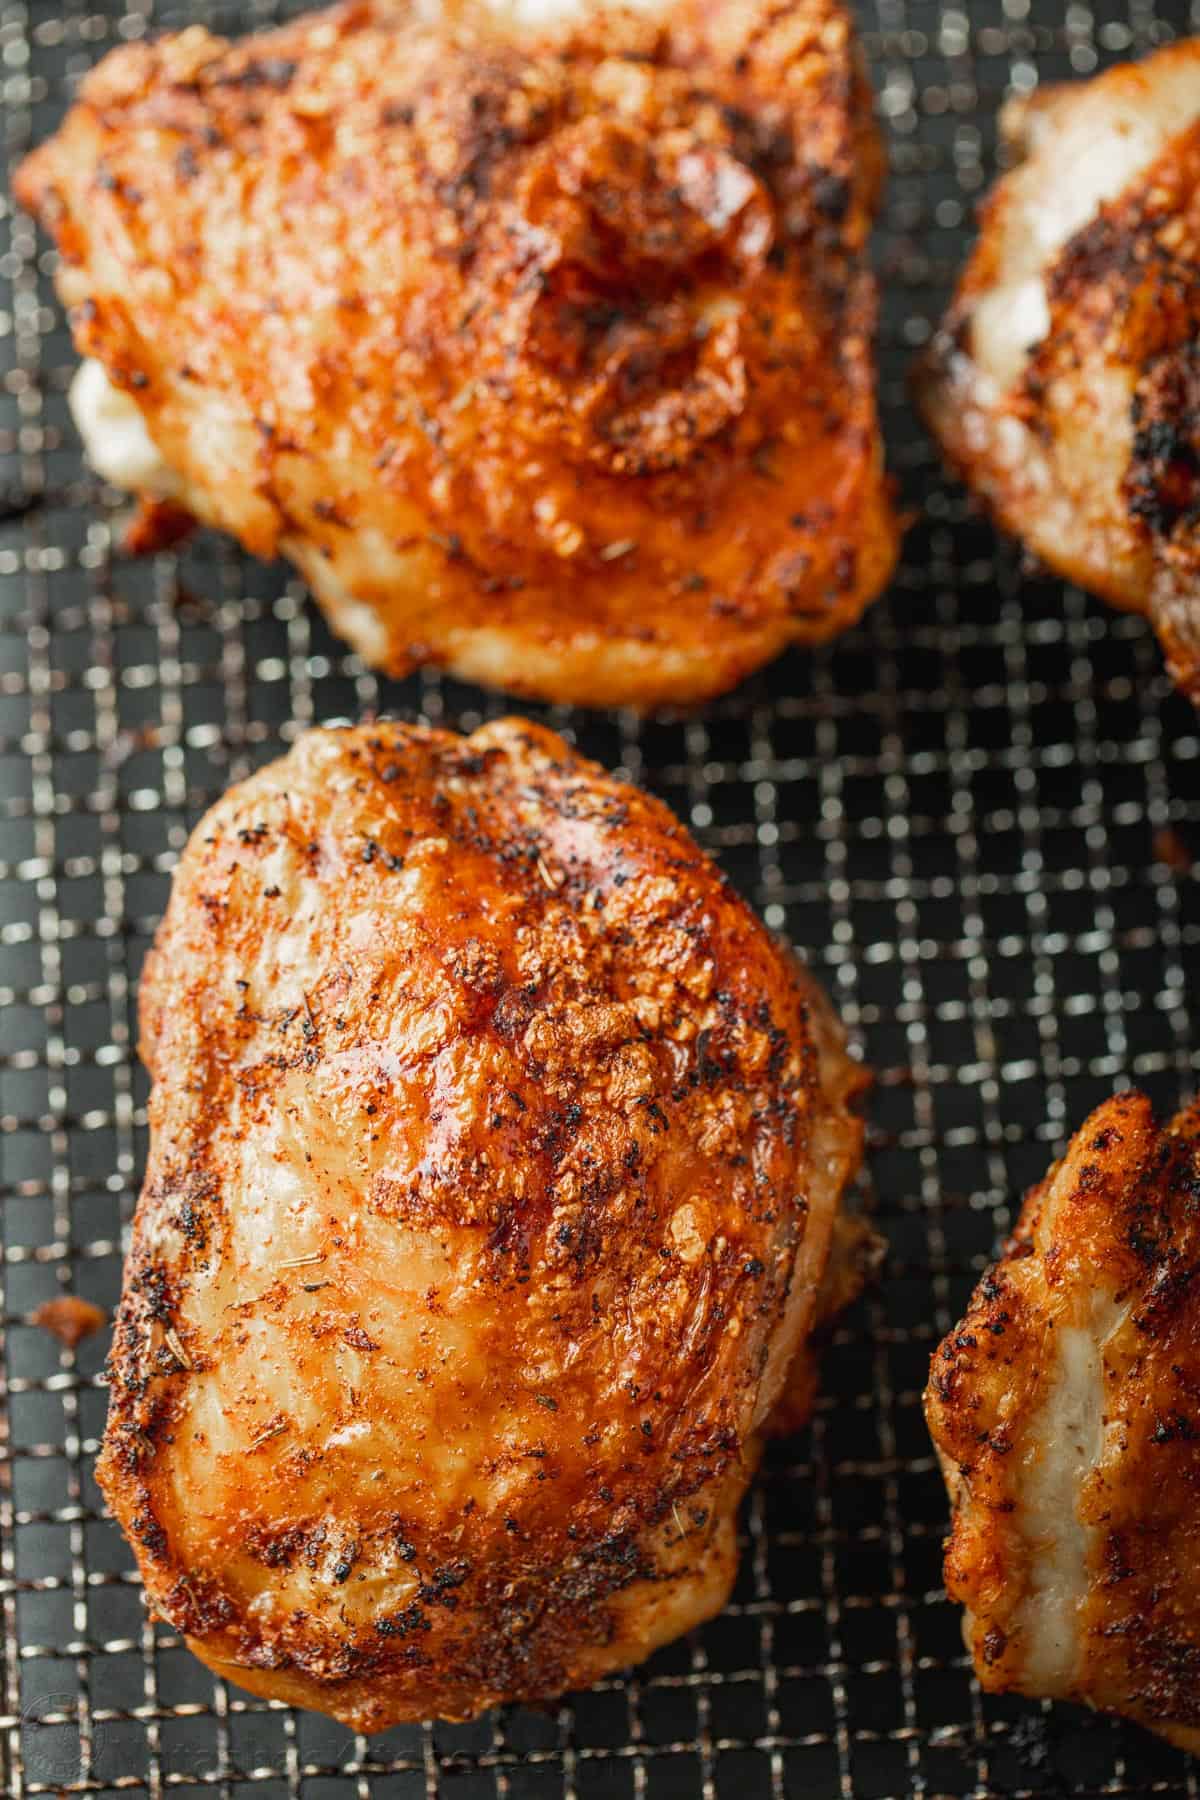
[855,1255]
[553,352]
[1088,1329]
[495,1154]
[1091,454]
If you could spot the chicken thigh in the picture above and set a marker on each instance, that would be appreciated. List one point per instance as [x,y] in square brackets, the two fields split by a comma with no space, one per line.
[544,351]
[496,1154]
[1064,385]
[1066,1411]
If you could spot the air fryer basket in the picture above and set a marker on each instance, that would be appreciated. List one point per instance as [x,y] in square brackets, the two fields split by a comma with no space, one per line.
[973,814]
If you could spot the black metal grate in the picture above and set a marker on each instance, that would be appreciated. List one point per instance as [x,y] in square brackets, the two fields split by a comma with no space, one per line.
[954,811]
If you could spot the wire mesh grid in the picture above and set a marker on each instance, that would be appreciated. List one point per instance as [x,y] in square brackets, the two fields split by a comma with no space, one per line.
[971,813]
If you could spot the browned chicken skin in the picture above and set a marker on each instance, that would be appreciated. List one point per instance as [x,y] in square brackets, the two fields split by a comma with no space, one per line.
[496,1154]
[1064,384]
[1066,1410]
[545,354]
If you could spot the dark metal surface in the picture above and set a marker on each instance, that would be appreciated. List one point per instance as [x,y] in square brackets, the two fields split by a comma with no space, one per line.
[953,811]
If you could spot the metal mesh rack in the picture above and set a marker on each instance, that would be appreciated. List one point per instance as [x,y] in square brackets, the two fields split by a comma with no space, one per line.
[957,811]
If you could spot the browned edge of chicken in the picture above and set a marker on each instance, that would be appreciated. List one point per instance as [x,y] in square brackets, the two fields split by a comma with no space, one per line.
[1065,1408]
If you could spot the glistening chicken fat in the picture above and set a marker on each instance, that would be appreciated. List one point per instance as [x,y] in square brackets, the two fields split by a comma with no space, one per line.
[115,437]
[496,1155]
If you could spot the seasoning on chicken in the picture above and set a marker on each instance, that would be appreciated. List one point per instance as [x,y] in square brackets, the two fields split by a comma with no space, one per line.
[1066,1411]
[545,352]
[1064,385]
[496,1153]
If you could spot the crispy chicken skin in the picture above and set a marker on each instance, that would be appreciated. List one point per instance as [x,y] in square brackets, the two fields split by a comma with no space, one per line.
[545,353]
[1066,1410]
[496,1152]
[1064,386]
